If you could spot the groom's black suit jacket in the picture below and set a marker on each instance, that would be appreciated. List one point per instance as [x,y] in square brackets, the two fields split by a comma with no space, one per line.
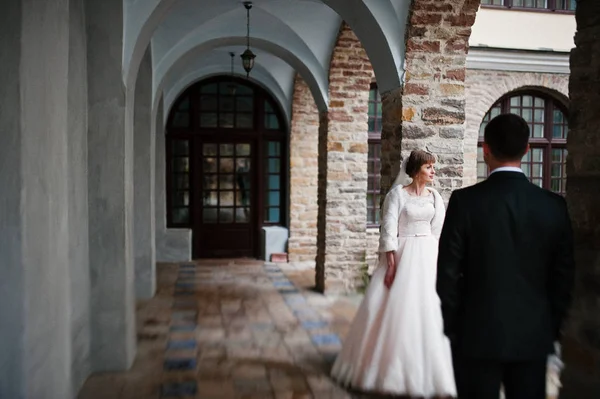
[505,269]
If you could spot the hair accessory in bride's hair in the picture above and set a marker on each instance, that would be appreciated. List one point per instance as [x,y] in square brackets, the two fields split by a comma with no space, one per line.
[403,179]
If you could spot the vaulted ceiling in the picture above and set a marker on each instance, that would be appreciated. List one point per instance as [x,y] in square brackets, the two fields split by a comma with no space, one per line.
[192,39]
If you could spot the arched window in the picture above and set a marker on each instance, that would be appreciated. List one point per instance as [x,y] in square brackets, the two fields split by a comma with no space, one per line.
[374,166]
[544,164]
[547,5]
[226,166]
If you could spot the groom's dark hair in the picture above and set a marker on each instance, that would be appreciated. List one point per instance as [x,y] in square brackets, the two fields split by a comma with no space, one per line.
[507,136]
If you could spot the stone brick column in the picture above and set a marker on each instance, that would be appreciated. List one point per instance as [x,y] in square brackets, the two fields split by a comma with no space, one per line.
[304,139]
[581,346]
[343,155]
[433,98]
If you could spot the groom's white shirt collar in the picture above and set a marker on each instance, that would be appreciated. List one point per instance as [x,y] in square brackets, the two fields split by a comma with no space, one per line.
[507,169]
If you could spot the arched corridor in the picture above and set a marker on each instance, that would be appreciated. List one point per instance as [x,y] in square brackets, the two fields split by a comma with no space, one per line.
[108,183]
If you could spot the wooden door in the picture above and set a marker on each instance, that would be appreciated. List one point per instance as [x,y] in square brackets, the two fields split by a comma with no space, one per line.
[225,217]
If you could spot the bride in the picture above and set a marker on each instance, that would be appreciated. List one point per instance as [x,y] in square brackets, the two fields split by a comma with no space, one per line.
[396,343]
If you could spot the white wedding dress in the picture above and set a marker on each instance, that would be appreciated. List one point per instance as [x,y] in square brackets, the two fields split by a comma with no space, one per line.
[396,343]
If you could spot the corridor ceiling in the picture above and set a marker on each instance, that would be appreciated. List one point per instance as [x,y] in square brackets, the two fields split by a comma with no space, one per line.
[191,40]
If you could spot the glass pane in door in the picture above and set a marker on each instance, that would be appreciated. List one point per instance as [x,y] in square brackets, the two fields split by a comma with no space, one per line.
[227,183]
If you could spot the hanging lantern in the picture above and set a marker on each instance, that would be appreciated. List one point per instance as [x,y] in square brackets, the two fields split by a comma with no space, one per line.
[248,61]
[248,56]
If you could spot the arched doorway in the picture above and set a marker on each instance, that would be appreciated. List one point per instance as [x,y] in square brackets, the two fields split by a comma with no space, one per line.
[226,151]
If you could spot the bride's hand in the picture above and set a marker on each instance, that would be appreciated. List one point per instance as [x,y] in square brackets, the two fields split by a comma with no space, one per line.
[390,273]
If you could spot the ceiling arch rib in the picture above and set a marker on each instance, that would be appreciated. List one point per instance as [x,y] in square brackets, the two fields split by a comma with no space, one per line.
[141,20]
[272,32]
[313,74]
[260,76]
[380,28]
[305,28]
[312,21]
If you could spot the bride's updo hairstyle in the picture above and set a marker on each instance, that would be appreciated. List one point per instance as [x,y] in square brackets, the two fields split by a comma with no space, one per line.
[417,159]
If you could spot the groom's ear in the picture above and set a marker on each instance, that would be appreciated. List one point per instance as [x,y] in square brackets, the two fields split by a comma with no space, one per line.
[486,149]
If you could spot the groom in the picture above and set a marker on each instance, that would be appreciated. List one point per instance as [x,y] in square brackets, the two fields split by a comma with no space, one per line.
[505,273]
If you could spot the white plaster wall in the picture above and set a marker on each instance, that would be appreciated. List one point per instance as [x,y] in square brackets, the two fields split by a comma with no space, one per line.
[78,198]
[523,30]
[270,72]
[45,200]
[144,152]
[12,283]
[110,184]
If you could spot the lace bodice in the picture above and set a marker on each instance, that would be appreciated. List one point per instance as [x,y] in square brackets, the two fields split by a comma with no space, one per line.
[405,216]
[416,216]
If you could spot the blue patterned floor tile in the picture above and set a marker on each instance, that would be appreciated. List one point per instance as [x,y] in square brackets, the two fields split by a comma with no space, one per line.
[326,339]
[293,297]
[184,285]
[288,290]
[283,283]
[187,265]
[184,293]
[313,324]
[180,364]
[182,328]
[178,389]
[184,314]
[185,305]
[306,313]
[183,344]
[184,322]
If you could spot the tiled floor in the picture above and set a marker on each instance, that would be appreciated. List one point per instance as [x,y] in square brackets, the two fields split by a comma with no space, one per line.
[232,329]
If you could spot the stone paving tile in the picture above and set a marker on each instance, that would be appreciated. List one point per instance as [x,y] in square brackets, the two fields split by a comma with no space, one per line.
[229,329]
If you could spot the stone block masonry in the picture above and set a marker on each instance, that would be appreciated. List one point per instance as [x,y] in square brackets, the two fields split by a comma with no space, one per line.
[429,112]
[304,139]
[343,152]
[581,345]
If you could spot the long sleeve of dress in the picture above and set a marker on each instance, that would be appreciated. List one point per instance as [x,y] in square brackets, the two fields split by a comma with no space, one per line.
[440,214]
[388,236]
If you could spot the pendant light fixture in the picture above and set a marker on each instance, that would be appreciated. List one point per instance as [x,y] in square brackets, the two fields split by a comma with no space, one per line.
[248,56]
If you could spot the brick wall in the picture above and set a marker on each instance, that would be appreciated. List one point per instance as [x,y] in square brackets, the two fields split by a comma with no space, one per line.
[304,138]
[343,166]
[433,102]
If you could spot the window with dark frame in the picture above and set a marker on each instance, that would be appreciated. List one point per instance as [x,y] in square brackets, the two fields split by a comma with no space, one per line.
[208,110]
[179,170]
[545,163]
[374,162]
[538,5]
